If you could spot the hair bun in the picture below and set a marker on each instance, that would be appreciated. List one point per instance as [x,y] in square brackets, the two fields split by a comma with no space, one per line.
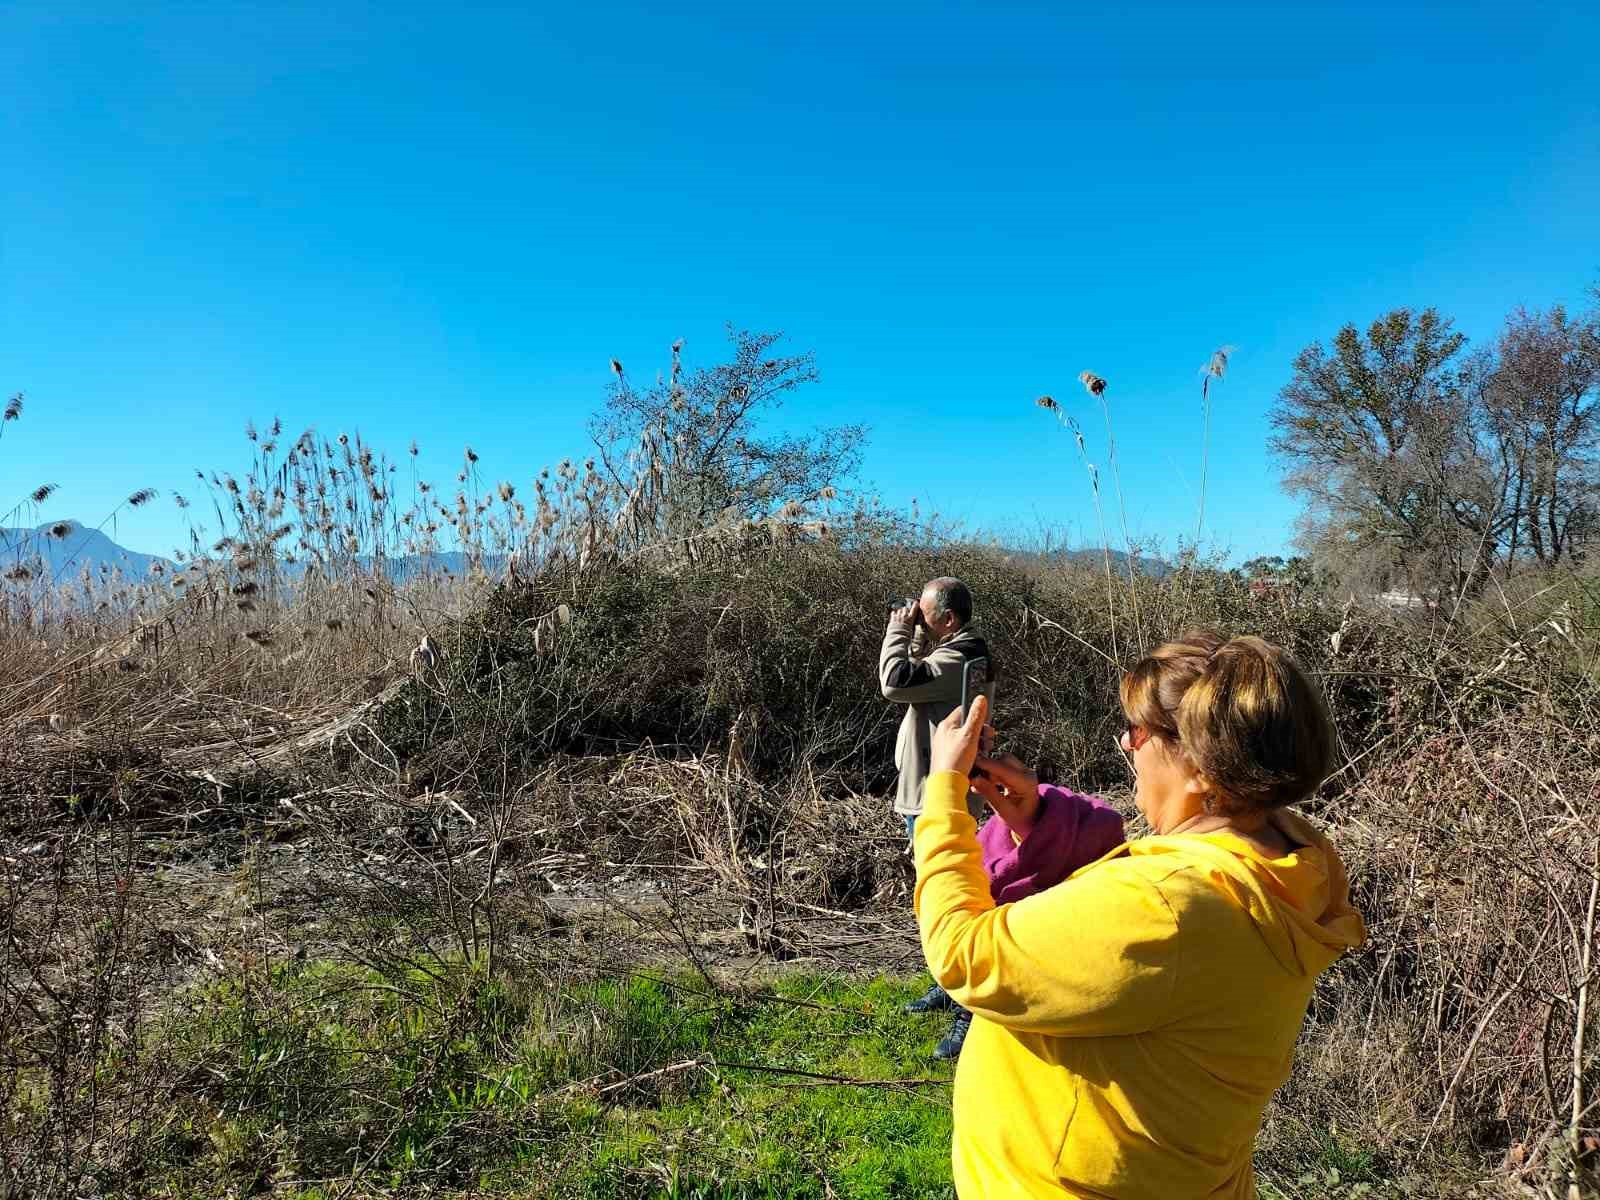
[1242,711]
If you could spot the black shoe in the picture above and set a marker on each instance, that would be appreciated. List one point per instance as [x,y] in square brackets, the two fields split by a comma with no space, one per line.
[949,1046]
[935,999]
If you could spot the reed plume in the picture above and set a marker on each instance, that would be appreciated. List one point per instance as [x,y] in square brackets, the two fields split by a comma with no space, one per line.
[1070,423]
[1096,387]
[1216,368]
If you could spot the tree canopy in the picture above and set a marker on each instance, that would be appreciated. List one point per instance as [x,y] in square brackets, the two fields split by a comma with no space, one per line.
[1429,465]
[703,437]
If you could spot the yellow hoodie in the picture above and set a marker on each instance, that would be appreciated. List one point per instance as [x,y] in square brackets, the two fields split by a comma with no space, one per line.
[1133,1021]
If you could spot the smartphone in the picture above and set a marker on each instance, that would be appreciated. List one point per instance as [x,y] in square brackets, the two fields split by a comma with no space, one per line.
[977,680]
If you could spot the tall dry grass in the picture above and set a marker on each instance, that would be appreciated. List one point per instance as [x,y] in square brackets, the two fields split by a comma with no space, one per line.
[604,703]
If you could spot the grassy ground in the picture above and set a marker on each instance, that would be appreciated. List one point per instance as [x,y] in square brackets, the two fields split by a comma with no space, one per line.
[321,1081]
[327,1083]
[762,1117]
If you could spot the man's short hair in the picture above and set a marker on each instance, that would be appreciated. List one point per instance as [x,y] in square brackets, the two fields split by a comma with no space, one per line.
[951,596]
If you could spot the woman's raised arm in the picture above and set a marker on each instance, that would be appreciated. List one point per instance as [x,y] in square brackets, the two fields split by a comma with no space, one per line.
[1094,956]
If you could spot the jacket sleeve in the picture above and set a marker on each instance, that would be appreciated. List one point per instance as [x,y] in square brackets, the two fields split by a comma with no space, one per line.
[1097,955]
[907,680]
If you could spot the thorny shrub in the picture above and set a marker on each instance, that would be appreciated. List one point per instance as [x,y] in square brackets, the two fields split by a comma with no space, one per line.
[723,712]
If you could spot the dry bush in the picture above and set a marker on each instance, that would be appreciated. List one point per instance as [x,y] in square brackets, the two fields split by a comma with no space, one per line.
[714,719]
[1470,827]
[1467,809]
[224,776]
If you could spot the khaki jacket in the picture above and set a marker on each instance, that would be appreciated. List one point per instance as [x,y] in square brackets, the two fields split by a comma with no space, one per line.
[930,687]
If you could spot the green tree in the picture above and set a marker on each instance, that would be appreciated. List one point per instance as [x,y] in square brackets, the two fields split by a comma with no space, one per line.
[1426,466]
[1375,430]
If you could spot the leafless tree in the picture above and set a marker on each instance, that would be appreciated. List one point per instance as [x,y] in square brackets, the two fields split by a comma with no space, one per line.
[706,431]
[1541,414]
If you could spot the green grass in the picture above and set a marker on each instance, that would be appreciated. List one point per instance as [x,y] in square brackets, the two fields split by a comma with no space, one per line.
[1322,1164]
[755,1133]
[728,1129]
[647,1085]
[318,1081]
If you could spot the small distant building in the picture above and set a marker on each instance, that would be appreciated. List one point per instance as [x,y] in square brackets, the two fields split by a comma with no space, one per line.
[1401,601]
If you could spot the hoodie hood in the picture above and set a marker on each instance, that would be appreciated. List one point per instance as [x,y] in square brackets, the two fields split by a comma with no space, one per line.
[1300,903]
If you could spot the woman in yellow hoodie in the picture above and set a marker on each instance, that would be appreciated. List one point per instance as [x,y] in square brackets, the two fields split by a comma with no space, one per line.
[1134,1020]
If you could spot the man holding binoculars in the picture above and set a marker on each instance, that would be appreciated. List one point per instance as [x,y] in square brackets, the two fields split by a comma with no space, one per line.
[933,661]
[926,651]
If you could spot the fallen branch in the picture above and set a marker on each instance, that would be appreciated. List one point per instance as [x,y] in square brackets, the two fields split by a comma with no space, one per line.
[839,1080]
[674,1069]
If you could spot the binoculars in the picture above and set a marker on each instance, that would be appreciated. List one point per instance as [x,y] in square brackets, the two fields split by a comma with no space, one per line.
[908,602]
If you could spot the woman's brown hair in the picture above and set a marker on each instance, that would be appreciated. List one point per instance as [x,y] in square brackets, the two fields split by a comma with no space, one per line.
[1243,713]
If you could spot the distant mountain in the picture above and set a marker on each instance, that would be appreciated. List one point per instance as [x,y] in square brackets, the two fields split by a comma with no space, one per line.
[64,548]
[1154,567]
[61,549]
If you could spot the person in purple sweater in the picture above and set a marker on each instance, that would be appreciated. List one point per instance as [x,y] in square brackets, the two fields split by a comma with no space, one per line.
[1071,831]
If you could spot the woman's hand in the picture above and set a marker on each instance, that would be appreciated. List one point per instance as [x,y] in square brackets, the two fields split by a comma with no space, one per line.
[1011,790]
[1005,783]
[955,741]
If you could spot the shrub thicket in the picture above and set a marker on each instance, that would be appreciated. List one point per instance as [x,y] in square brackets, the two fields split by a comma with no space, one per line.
[249,767]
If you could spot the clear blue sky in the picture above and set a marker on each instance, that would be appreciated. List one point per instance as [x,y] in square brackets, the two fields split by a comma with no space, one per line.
[442,221]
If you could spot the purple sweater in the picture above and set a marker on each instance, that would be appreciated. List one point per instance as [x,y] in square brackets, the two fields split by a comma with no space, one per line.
[1072,831]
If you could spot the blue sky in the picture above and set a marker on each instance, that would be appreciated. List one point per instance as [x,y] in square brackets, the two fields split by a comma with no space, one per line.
[443,221]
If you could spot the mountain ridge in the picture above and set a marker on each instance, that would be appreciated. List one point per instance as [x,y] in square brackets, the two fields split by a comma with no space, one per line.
[63,547]
[85,546]
[45,551]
